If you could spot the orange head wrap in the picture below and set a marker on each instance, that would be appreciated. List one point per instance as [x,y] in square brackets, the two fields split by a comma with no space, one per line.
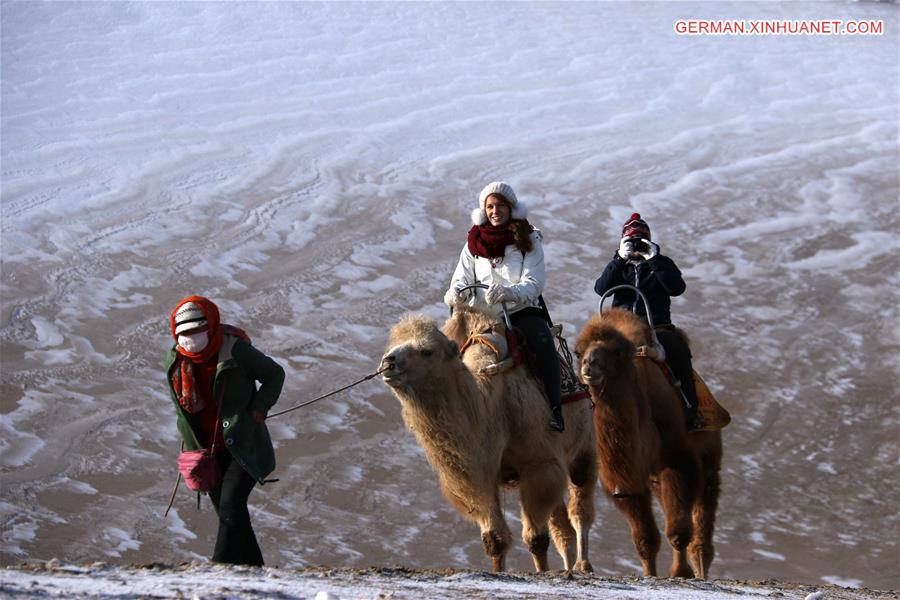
[211,312]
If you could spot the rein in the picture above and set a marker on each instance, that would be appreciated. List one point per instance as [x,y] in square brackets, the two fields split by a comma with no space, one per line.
[322,397]
[481,338]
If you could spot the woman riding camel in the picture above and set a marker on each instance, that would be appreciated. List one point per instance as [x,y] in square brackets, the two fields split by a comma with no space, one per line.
[639,263]
[504,252]
[212,371]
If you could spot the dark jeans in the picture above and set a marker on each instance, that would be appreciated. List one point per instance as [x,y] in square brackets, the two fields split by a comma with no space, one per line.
[678,356]
[235,542]
[537,333]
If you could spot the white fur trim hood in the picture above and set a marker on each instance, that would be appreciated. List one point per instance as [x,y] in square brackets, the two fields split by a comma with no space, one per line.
[519,209]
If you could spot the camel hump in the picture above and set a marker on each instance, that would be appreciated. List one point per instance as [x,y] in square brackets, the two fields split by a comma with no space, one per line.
[714,414]
[628,324]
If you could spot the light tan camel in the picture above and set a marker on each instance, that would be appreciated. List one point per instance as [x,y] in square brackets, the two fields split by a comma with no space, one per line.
[643,446]
[484,432]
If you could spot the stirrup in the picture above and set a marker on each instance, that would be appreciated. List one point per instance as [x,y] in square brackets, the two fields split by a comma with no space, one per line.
[556,420]
[696,424]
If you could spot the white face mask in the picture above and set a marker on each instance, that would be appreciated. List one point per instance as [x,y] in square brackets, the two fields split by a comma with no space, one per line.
[195,342]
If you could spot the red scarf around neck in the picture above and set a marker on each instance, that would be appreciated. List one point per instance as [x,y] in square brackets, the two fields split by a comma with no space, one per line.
[193,380]
[490,241]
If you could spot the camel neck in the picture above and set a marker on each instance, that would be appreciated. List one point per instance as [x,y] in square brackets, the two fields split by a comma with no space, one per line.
[619,403]
[454,395]
[447,415]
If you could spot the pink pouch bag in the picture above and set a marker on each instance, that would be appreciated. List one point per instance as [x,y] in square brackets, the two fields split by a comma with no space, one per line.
[200,470]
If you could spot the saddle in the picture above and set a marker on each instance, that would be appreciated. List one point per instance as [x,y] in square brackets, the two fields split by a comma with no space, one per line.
[512,350]
[571,387]
[714,415]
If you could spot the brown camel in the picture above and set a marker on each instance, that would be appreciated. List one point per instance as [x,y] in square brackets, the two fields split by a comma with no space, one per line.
[643,445]
[482,432]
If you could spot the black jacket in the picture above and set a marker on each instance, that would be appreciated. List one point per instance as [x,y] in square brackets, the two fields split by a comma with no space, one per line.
[658,278]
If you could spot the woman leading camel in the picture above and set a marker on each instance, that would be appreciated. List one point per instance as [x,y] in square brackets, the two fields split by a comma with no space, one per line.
[212,371]
[503,251]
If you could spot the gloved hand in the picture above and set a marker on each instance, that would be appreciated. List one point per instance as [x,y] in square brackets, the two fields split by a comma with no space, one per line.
[626,249]
[649,250]
[453,297]
[498,293]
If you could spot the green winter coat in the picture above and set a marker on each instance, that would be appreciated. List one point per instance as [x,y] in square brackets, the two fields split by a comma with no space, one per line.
[240,367]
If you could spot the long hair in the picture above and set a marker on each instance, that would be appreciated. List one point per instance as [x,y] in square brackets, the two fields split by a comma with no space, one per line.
[520,228]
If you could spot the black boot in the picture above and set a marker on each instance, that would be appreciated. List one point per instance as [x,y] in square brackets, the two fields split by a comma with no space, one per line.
[678,357]
[695,422]
[556,419]
[692,415]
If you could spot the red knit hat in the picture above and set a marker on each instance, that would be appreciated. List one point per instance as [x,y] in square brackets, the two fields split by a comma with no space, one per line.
[636,227]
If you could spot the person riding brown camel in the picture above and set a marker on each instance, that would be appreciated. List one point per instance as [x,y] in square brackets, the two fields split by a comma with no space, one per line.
[638,262]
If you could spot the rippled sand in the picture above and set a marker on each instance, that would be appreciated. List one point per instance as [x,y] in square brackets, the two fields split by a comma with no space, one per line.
[311,167]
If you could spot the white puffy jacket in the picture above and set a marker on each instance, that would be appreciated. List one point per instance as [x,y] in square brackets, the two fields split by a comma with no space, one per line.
[524,275]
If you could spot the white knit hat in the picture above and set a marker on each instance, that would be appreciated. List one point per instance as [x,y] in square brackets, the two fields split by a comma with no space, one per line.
[189,316]
[501,188]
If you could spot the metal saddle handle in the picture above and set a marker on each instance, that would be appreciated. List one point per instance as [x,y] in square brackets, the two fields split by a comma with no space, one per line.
[626,286]
[484,287]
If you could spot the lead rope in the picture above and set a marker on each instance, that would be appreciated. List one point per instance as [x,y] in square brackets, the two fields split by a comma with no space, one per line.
[322,397]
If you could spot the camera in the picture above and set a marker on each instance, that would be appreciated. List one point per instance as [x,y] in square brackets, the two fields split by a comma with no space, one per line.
[638,245]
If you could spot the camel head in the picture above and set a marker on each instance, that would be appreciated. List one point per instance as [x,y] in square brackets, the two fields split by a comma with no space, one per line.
[417,354]
[607,344]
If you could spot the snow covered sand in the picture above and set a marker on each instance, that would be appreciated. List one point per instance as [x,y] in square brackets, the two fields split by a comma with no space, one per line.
[215,581]
[311,166]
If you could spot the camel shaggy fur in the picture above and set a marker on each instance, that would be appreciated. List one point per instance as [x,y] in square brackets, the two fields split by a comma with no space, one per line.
[483,432]
[643,445]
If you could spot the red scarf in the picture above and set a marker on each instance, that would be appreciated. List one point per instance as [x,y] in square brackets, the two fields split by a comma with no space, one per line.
[490,241]
[207,419]
[193,382]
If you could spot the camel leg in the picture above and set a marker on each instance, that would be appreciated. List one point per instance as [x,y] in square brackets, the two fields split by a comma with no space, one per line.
[582,484]
[537,539]
[495,534]
[701,549]
[639,513]
[564,536]
[675,497]
[540,491]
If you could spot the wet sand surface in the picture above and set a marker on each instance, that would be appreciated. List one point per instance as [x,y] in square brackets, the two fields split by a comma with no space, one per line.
[781,212]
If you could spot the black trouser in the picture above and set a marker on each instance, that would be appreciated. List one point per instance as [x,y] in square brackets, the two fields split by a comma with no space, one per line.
[235,542]
[678,356]
[537,333]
